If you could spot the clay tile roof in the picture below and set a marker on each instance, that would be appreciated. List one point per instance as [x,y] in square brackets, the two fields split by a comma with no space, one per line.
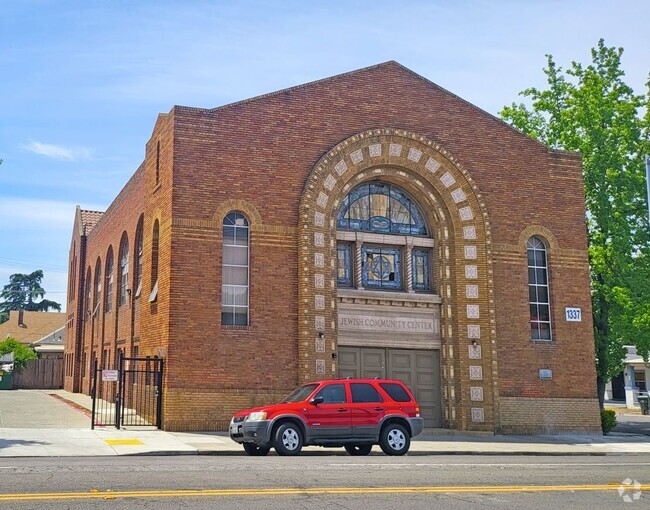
[89,219]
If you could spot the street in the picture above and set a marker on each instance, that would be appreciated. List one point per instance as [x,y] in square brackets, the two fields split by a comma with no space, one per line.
[323,482]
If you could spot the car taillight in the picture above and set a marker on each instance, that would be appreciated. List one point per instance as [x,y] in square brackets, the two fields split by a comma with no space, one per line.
[417,411]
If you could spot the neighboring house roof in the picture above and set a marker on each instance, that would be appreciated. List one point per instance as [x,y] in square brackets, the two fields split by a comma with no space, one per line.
[632,358]
[89,219]
[53,342]
[32,326]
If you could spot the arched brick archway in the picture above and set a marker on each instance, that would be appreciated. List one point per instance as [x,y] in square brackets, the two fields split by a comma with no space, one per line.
[457,214]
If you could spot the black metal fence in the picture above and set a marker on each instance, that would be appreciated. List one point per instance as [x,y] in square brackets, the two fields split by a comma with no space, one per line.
[128,395]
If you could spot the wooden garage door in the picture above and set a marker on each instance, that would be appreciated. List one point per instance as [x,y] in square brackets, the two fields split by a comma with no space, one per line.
[419,370]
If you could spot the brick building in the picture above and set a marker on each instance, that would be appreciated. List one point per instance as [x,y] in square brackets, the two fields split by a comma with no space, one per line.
[368,224]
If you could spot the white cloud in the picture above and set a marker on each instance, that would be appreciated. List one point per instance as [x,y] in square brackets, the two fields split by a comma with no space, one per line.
[58,152]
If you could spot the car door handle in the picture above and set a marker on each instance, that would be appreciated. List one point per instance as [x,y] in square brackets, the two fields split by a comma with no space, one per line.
[342,410]
[379,408]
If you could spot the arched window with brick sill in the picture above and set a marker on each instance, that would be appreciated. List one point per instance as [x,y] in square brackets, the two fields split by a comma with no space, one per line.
[235,270]
[108,292]
[538,289]
[87,294]
[155,241]
[97,286]
[123,284]
[137,277]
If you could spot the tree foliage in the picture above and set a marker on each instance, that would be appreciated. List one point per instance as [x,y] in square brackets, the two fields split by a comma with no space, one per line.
[22,352]
[25,291]
[590,109]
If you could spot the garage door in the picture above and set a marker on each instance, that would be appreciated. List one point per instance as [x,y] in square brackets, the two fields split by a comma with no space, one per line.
[419,370]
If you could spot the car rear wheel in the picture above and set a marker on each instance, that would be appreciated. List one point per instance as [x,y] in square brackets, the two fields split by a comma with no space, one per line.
[256,451]
[288,439]
[358,449]
[394,439]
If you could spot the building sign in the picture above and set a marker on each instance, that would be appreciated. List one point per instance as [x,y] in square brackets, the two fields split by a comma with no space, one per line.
[355,322]
[573,314]
[109,375]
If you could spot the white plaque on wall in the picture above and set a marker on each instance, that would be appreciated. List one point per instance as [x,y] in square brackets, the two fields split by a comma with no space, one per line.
[573,314]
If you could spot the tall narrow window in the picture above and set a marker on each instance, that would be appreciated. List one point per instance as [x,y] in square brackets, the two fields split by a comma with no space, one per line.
[109,280]
[344,265]
[138,259]
[155,239]
[540,309]
[234,288]
[124,269]
[98,286]
[88,293]
[420,265]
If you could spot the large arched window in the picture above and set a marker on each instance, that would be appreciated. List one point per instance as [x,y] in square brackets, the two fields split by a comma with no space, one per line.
[124,269]
[381,207]
[138,259]
[98,286]
[390,216]
[108,293]
[538,290]
[234,282]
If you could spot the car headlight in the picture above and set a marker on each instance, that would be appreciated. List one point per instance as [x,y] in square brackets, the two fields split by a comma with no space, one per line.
[258,416]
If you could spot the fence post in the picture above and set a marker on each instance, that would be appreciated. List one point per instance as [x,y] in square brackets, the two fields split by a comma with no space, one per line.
[93,392]
[159,390]
[118,395]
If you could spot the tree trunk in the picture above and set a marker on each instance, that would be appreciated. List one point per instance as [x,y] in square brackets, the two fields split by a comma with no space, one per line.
[600,385]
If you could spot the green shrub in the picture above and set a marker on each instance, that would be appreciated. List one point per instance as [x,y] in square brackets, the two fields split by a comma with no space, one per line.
[22,353]
[607,420]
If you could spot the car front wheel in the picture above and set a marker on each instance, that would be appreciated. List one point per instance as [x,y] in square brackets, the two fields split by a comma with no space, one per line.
[288,439]
[358,449]
[256,451]
[394,439]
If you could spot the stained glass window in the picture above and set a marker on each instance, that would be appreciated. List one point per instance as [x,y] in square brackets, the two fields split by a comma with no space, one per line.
[344,265]
[381,207]
[381,267]
[420,267]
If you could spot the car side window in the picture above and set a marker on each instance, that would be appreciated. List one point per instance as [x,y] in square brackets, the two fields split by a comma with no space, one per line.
[396,392]
[333,394]
[364,392]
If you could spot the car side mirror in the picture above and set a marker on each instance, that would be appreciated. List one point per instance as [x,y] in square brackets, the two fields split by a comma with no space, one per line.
[317,400]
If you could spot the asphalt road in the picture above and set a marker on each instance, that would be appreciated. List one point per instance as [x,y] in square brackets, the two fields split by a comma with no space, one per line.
[202,482]
[633,424]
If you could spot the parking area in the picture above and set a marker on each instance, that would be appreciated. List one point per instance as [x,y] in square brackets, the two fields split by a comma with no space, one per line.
[38,409]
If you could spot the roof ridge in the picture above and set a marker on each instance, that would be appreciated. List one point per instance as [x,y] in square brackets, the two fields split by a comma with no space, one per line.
[302,85]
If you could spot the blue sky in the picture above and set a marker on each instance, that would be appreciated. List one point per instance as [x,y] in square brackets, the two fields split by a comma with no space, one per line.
[83,81]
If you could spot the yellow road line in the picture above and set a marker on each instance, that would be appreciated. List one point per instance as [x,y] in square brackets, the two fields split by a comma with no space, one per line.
[122,442]
[313,491]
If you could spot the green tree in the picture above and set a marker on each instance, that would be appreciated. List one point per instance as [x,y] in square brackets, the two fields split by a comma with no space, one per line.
[22,352]
[25,291]
[590,109]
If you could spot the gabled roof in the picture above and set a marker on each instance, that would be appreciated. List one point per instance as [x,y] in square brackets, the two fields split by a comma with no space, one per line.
[35,325]
[89,219]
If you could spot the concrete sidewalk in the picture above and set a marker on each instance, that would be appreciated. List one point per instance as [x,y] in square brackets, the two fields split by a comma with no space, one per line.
[75,441]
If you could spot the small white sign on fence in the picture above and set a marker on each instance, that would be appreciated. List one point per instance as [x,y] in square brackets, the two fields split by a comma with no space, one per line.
[109,375]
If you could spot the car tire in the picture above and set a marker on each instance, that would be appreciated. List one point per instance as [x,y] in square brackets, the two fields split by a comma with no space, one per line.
[256,451]
[394,439]
[358,449]
[288,439]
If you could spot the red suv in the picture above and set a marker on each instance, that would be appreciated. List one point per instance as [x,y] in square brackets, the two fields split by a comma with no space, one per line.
[353,413]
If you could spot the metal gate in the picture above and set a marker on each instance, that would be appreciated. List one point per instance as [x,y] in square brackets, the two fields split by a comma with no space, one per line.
[127,395]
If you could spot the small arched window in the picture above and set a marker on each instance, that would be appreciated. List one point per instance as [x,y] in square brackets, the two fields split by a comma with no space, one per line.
[138,259]
[98,286]
[235,264]
[538,290]
[108,306]
[124,269]
[155,240]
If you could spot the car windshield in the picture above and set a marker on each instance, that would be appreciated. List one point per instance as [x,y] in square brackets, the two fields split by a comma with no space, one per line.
[300,394]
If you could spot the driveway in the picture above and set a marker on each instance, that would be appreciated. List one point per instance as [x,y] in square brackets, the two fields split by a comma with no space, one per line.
[633,424]
[38,409]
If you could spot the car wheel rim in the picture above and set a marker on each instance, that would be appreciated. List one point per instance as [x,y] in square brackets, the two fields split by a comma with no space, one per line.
[290,439]
[396,439]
